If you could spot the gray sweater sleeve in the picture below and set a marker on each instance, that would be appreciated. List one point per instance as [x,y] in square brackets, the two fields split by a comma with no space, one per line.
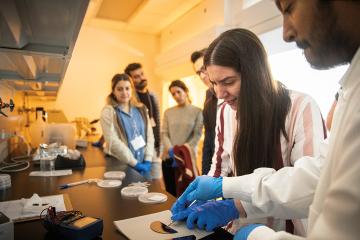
[197,131]
[149,150]
[165,132]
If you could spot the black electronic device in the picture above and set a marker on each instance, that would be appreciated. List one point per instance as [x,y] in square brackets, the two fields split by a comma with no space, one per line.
[189,237]
[72,225]
[67,163]
[219,233]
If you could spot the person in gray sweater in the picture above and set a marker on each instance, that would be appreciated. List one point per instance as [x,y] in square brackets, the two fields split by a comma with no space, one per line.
[182,124]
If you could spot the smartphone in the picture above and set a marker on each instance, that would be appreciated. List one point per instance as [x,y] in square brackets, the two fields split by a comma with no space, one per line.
[190,237]
[219,233]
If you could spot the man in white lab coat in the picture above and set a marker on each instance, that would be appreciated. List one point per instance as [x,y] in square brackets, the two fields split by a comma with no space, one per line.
[328,33]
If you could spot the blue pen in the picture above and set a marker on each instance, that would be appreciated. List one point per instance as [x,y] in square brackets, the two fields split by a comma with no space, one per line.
[73,184]
[192,203]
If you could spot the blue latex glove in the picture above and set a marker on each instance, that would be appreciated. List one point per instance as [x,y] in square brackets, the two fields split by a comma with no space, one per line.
[211,215]
[147,174]
[140,167]
[172,156]
[148,165]
[171,153]
[143,166]
[244,232]
[202,188]
[184,214]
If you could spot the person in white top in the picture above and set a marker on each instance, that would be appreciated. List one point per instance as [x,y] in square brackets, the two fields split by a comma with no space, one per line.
[273,130]
[305,131]
[327,33]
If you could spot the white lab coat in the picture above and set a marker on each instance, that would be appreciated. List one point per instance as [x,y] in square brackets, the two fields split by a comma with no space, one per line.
[335,209]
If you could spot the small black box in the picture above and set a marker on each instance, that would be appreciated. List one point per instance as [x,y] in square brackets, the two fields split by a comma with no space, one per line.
[85,228]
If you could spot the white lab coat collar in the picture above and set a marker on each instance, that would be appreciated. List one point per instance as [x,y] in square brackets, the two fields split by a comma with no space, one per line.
[347,79]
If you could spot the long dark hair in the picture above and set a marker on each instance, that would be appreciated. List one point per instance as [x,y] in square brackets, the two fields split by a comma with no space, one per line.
[182,85]
[262,102]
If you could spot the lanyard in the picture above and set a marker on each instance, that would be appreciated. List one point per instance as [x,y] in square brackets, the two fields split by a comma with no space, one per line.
[132,121]
[136,130]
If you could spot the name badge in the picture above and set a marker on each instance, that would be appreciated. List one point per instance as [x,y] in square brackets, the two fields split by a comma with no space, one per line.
[138,142]
[152,122]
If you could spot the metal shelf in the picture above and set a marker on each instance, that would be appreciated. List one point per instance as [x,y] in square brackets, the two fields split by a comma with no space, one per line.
[37,38]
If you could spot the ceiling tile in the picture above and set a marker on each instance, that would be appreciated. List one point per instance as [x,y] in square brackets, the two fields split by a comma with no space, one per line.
[147,16]
[120,10]
[146,19]
[162,6]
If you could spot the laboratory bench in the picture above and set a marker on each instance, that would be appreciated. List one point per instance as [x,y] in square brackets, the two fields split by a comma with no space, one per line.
[91,200]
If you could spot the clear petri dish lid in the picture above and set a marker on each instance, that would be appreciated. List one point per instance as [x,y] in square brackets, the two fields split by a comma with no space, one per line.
[133,191]
[108,183]
[153,197]
[114,175]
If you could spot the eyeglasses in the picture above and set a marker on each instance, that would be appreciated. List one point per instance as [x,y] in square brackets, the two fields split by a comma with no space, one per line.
[201,70]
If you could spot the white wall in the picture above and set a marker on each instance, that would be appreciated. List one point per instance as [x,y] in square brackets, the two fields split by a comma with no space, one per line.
[289,66]
[193,31]
[98,55]
[200,26]
[293,70]
[258,16]
[207,14]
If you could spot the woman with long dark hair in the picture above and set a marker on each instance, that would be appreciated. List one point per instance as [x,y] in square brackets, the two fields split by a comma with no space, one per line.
[126,126]
[274,128]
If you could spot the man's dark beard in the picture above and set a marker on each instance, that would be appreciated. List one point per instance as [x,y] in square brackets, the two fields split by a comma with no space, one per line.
[335,47]
[339,52]
[141,85]
[302,44]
